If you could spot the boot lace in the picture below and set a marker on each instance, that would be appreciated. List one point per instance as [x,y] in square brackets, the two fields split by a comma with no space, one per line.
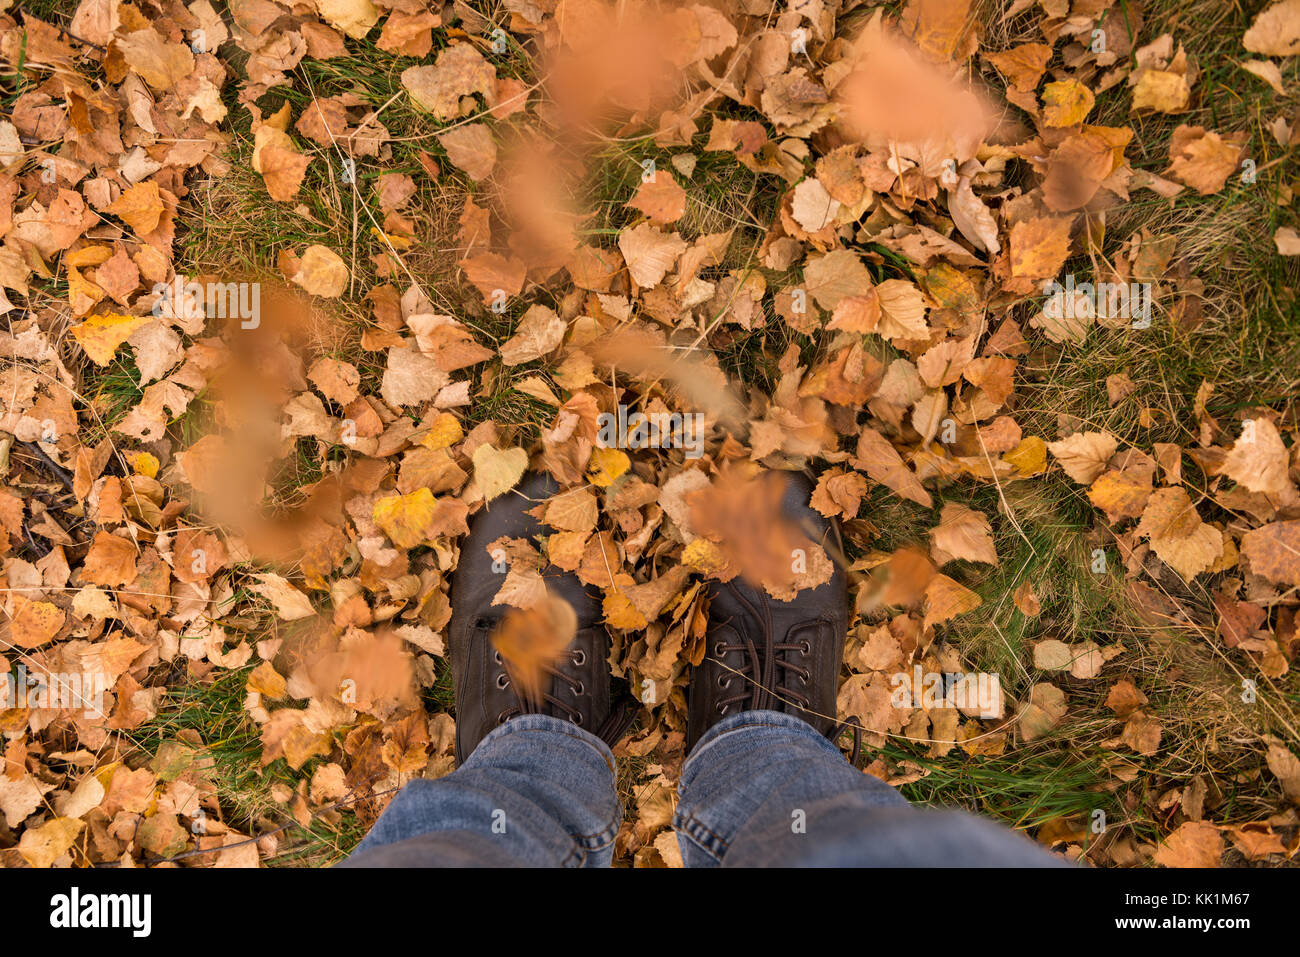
[768,679]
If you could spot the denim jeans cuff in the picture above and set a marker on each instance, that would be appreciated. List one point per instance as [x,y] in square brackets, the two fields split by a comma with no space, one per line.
[545,722]
[758,719]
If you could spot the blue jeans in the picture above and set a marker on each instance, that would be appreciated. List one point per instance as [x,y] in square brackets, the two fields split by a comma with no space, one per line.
[759,789]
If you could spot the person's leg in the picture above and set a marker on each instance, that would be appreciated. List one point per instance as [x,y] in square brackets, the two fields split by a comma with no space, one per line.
[536,781]
[762,789]
[763,785]
[537,791]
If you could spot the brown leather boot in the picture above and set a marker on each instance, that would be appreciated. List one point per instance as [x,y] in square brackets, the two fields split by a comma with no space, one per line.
[775,655]
[579,688]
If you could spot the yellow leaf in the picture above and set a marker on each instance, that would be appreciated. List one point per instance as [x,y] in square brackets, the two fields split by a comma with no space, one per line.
[606,465]
[1161,91]
[42,846]
[353,17]
[444,432]
[620,612]
[1029,457]
[497,471]
[704,556]
[140,207]
[1039,247]
[1066,103]
[405,518]
[145,463]
[397,242]
[101,335]
[322,272]
[34,622]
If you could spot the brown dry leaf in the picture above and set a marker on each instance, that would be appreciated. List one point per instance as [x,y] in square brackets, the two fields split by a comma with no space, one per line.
[1256,841]
[1121,494]
[1052,655]
[812,207]
[660,198]
[459,71]
[34,623]
[975,220]
[1287,241]
[290,604]
[277,158]
[1026,599]
[493,274]
[1194,844]
[902,310]
[649,253]
[1039,247]
[1267,71]
[741,512]
[1119,387]
[352,17]
[338,381]
[159,63]
[1084,455]
[408,520]
[1124,698]
[409,34]
[1286,768]
[472,149]
[1042,712]
[1202,159]
[110,561]
[868,699]
[539,333]
[322,272]
[839,493]
[1142,733]
[1023,65]
[878,458]
[945,599]
[1259,460]
[1162,91]
[838,275]
[575,511]
[1273,552]
[42,846]
[962,533]
[411,377]
[532,639]
[1178,536]
[140,207]
[1276,30]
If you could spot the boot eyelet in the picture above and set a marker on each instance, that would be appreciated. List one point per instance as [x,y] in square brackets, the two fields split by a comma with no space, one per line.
[580,690]
[719,649]
[724,682]
[579,658]
[805,648]
[577,719]
[496,656]
[502,716]
[503,681]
